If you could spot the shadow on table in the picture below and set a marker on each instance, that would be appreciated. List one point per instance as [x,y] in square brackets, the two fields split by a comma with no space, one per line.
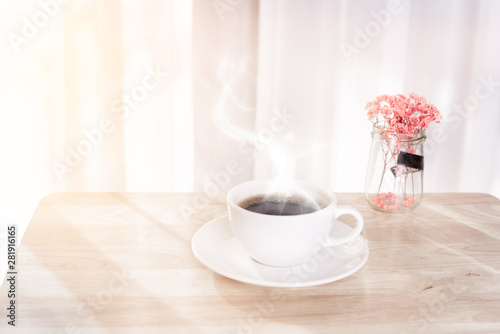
[294,307]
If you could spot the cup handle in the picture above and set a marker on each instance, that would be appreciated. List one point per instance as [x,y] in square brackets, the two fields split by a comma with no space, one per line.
[342,210]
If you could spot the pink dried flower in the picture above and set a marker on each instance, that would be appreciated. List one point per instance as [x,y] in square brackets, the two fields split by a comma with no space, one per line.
[386,201]
[399,114]
[409,201]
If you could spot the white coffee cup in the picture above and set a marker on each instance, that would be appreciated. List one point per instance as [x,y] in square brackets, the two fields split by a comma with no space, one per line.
[285,241]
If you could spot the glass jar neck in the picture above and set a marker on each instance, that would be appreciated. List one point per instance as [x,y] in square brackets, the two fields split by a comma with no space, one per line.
[381,132]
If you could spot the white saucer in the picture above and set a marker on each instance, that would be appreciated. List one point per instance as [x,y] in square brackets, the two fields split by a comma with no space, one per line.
[215,246]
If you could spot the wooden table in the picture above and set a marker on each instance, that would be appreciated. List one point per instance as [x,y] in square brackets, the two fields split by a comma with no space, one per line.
[122,263]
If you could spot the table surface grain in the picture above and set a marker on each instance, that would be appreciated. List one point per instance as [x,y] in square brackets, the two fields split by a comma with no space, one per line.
[122,263]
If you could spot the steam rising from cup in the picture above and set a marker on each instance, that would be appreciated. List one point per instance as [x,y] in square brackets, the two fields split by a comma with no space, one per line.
[262,140]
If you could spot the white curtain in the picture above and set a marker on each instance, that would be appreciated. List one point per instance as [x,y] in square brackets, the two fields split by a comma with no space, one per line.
[181,96]
[317,64]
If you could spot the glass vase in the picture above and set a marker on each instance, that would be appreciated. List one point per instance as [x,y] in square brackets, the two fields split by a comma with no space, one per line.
[395,174]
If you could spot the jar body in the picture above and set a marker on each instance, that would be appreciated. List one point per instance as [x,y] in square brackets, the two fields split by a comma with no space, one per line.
[395,173]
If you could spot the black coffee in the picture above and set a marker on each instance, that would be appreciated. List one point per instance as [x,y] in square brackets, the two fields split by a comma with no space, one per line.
[279,205]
